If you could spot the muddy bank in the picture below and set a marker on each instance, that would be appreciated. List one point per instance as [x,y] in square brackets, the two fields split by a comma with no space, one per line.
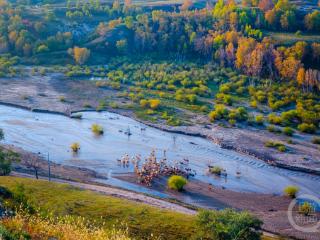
[271,209]
[43,94]
[240,144]
[56,170]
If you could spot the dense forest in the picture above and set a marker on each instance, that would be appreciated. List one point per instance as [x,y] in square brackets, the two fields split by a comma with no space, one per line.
[222,39]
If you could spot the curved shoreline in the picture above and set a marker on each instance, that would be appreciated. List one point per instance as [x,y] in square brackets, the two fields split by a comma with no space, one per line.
[269,160]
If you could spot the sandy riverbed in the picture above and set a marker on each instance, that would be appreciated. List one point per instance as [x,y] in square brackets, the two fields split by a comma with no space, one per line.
[43,92]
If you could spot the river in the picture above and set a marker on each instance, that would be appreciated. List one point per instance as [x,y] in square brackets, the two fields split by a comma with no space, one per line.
[53,134]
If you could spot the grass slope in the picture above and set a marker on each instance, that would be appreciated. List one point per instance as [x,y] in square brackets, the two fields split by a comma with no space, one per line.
[142,220]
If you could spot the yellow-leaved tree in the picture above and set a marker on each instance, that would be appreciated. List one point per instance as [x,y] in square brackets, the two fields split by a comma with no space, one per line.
[80,55]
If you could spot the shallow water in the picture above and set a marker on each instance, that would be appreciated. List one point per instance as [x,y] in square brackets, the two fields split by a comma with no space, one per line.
[42,132]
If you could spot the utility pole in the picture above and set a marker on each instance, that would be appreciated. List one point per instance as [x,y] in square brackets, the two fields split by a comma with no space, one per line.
[49,170]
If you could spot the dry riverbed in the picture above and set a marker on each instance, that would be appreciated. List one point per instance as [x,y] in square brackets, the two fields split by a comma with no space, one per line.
[54,92]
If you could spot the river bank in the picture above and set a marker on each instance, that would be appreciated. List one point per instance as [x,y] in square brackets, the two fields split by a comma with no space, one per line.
[40,164]
[271,209]
[43,94]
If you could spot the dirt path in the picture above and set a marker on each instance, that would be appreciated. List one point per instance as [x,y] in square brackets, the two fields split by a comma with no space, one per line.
[133,196]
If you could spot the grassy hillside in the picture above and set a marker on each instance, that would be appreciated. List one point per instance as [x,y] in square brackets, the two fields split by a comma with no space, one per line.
[62,199]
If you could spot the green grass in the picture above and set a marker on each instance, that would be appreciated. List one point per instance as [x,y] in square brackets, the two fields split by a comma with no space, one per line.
[142,220]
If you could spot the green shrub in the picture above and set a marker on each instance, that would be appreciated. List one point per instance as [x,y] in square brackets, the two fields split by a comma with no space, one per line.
[288,131]
[254,104]
[154,103]
[307,127]
[316,140]
[62,99]
[281,147]
[306,209]
[176,182]
[6,160]
[232,122]
[220,112]
[289,117]
[273,129]
[291,191]
[228,224]
[225,98]
[259,119]
[290,141]
[97,129]
[274,119]
[242,114]
[216,170]
[225,88]
[75,147]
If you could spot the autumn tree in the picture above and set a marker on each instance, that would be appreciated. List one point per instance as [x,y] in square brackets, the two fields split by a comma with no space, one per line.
[301,76]
[312,21]
[272,18]
[288,67]
[80,55]
[186,5]
[255,60]
[312,79]
[266,5]
[315,51]
[246,46]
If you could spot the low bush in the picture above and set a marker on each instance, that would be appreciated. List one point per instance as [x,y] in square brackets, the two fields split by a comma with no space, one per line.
[291,191]
[254,104]
[259,119]
[62,99]
[288,131]
[219,112]
[281,147]
[274,119]
[273,129]
[97,129]
[316,140]
[75,147]
[152,103]
[307,127]
[228,224]
[216,170]
[176,182]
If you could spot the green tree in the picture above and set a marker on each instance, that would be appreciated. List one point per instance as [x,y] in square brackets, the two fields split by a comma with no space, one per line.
[6,159]
[228,224]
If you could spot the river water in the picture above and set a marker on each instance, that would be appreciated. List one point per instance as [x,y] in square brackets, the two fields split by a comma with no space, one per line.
[43,132]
